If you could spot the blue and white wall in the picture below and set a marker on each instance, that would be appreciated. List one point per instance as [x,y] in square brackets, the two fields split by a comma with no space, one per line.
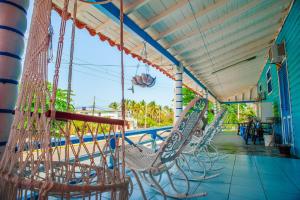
[290,33]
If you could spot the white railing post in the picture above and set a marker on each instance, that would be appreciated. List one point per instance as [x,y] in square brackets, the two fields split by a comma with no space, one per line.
[13,24]
[178,92]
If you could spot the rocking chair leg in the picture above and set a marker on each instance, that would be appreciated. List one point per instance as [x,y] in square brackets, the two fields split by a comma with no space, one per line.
[157,186]
[196,177]
[185,177]
[187,163]
[210,159]
[140,184]
[171,182]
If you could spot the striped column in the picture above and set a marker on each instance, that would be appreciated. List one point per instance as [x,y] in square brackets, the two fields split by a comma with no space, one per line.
[216,107]
[13,25]
[206,97]
[178,92]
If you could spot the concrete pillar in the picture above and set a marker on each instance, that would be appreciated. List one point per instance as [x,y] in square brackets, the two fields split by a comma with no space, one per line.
[178,92]
[13,24]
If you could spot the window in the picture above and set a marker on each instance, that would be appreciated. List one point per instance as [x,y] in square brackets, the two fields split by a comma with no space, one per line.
[260,88]
[269,81]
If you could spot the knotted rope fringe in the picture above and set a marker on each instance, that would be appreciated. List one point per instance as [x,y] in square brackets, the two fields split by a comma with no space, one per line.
[40,159]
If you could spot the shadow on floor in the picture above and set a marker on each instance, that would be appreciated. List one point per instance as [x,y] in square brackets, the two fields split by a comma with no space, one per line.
[231,143]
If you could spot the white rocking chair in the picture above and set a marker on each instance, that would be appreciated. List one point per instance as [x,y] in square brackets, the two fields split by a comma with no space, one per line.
[199,144]
[143,161]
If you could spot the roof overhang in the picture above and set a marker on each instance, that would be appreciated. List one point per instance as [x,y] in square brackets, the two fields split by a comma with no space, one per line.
[222,44]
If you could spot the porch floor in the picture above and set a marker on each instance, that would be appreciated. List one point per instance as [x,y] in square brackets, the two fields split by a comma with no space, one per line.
[244,177]
[230,142]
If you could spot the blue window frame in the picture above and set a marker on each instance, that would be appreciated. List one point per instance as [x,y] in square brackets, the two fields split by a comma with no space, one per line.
[260,88]
[269,81]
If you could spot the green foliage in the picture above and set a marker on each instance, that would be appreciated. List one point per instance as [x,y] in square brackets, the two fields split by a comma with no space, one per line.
[188,95]
[61,99]
[245,111]
[60,105]
[210,113]
[114,106]
[149,113]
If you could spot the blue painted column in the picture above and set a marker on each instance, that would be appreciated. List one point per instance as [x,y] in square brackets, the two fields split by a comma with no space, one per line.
[178,92]
[13,25]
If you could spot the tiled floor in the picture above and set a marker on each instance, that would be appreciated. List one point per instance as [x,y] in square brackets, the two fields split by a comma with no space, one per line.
[245,177]
[251,172]
[230,142]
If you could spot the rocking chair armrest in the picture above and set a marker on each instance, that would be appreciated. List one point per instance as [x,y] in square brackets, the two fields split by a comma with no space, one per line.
[141,138]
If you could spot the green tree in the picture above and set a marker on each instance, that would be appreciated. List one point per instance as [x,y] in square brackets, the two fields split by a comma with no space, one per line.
[188,95]
[245,111]
[60,102]
[114,106]
[61,99]
[156,115]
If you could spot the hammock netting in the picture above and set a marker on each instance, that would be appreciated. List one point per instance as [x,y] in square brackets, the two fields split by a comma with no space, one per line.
[43,156]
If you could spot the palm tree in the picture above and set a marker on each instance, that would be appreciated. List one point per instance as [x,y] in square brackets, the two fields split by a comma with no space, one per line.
[114,105]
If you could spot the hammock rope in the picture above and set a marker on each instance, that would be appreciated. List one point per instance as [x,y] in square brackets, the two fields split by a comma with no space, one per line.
[71,55]
[60,47]
[43,155]
[123,84]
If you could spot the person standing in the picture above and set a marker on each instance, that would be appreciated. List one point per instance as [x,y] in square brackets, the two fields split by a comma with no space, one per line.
[256,127]
[248,129]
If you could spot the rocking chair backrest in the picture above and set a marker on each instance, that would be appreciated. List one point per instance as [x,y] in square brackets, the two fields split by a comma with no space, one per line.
[183,130]
[211,129]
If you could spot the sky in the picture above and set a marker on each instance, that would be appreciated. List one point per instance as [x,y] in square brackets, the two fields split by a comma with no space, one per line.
[97,71]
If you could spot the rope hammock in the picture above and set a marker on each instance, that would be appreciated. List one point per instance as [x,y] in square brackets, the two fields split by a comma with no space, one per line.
[42,159]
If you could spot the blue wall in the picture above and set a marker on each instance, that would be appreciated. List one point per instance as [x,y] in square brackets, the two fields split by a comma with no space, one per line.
[290,33]
[274,95]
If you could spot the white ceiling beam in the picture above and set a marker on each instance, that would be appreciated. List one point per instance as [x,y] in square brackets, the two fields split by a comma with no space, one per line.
[243,68]
[136,4]
[256,22]
[209,76]
[231,51]
[232,58]
[230,61]
[102,26]
[221,63]
[205,28]
[227,48]
[239,41]
[80,7]
[191,18]
[217,22]
[228,30]
[164,14]
[207,72]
